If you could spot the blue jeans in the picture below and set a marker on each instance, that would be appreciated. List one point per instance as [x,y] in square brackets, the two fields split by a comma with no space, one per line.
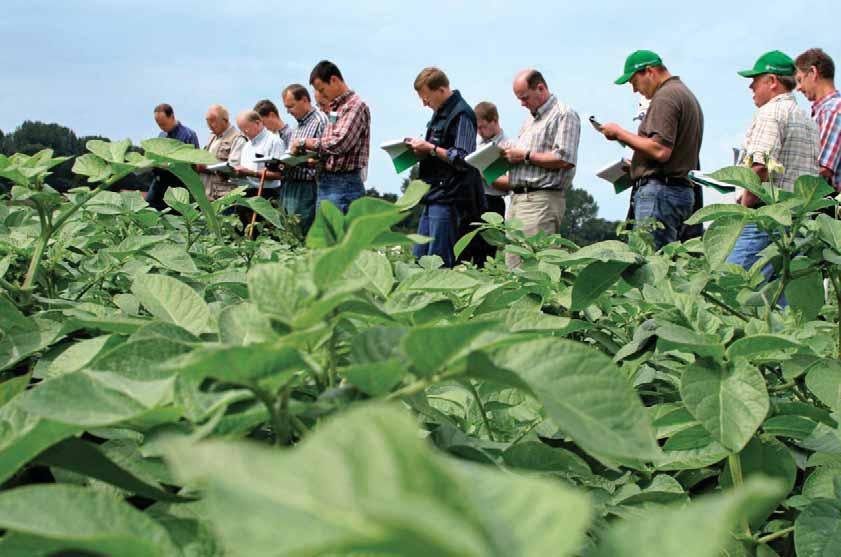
[669,205]
[298,198]
[439,222]
[340,188]
[751,241]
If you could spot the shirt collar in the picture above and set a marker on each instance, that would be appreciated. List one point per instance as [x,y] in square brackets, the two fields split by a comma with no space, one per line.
[545,107]
[495,139]
[341,99]
[261,136]
[818,104]
[783,97]
[173,133]
[306,117]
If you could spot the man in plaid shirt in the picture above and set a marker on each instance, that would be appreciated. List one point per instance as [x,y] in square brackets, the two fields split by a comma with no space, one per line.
[298,194]
[815,75]
[781,133]
[344,146]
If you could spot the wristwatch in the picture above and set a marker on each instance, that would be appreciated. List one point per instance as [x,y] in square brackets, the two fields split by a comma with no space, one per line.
[527,158]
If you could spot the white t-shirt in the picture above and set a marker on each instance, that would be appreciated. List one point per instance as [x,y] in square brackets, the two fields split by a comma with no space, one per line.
[266,145]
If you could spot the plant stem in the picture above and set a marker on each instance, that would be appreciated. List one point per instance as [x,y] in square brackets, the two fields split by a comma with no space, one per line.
[481,409]
[735,463]
[836,286]
[715,301]
[421,384]
[278,423]
[776,535]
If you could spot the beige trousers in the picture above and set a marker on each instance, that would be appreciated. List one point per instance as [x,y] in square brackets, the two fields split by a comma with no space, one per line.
[538,211]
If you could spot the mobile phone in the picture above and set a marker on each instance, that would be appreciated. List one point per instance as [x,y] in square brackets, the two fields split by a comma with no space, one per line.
[595,123]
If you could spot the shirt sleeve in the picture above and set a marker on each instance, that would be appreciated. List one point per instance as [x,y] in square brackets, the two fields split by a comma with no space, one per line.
[831,142]
[465,143]
[661,122]
[343,136]
[764,138]
[567,138]
[194,140]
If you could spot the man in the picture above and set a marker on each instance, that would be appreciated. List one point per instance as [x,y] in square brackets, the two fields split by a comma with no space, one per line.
[450,136]
[225,143]
[780,133]
[271,119]
[544,158]
[262,144]
[344,146]
[666,146]
[489,131]
[322,103]
[815,76]
[299,192]
[172,129]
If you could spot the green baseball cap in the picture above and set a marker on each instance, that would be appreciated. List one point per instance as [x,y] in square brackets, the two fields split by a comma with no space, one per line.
[774,62]
[637,61]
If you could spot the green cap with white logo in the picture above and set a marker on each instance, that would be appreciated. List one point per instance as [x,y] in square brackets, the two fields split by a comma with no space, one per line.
[774,62]
[637,61]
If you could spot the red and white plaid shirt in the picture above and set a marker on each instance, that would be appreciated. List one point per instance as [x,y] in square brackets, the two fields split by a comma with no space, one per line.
[347,141]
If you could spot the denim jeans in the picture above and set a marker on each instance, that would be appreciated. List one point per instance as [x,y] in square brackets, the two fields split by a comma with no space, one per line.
[669,205]
[340,188]
[298,198]
[745,253]
[439,222]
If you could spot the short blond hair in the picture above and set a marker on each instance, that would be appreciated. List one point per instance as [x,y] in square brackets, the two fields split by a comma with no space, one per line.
[433,78]
[220,111]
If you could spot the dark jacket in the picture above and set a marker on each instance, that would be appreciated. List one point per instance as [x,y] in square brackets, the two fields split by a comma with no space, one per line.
[450,184]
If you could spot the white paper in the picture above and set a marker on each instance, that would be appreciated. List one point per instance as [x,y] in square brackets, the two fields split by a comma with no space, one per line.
[484,156]
[613,172]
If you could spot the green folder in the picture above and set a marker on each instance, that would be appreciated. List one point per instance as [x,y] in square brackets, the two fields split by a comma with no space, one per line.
[703,180]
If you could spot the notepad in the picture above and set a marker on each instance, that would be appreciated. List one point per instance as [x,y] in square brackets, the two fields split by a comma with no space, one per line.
[401,153]
[617,174]
[489,161]
[702,179]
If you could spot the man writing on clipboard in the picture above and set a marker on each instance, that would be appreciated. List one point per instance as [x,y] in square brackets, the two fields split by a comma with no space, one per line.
[666,147]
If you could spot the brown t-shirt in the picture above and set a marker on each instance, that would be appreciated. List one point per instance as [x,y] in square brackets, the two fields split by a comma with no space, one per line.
[674,119]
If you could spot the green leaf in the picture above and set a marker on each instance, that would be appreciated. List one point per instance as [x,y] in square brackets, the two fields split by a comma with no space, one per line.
[587,395]
[811,192]
[244,324]
[279,290]
[328,229]
[375,378]
[720,238]
[264,208]
[432,347]
[79,519]
[438,280]
[765,458]
[738,176]
[96,169]
[829,231]
[731,403]
[173,257]
[690,449]
[192,182]
[366,483]
[817,530]
[464,241]
[717,211]
[375,270]
[821,482]
[538,457]
[701,529]
[806,294]
[172,150]
[111,151]
[22,336]
[675,337]
[240,365]
[759,345]
[10,388]
[795,427]
[593,281]
[824,379]
[172,301]
[87,459]
[413,195]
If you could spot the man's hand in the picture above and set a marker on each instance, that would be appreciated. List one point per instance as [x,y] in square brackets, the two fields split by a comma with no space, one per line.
[420,146]
[613,131]
[514,155]
[200,167]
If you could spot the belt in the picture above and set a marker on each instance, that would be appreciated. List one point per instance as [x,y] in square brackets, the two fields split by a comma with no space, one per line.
[681,181]
[524,189]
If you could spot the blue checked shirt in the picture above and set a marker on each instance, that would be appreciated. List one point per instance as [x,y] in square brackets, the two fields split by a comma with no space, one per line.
[311,125]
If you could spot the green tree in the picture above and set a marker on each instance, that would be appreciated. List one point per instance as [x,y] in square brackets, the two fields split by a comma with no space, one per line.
[580,224]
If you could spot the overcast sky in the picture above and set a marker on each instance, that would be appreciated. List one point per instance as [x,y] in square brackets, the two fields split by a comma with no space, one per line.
[99,67]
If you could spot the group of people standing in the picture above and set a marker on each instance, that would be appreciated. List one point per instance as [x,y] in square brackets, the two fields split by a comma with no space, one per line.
[543,155]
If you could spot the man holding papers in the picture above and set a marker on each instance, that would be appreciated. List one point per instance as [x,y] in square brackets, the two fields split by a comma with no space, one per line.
[298,195]
[666,146]
[450,137]
[543,158]
[344,146]
[225,143]
[262,144]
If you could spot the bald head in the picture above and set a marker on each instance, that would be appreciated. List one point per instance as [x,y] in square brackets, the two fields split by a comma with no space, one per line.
[249,123]
[218,119]
[531,89]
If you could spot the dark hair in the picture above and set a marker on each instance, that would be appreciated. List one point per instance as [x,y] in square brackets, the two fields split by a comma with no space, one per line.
[324,70]
[787,81]
[535,78]
[297,91]
[433,78]
[265,107]
[487,111]
[166,109]
[818,58]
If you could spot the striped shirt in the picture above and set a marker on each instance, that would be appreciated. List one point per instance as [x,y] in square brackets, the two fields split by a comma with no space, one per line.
[465,143]
[500,140]
[783,132]
[311,125]
[347,142]
[827,114]
[556,128]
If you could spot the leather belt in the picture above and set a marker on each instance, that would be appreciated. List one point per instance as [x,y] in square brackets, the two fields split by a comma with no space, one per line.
[524,189]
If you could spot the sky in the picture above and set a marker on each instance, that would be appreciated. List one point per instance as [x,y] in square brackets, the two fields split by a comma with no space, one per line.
[99,67]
